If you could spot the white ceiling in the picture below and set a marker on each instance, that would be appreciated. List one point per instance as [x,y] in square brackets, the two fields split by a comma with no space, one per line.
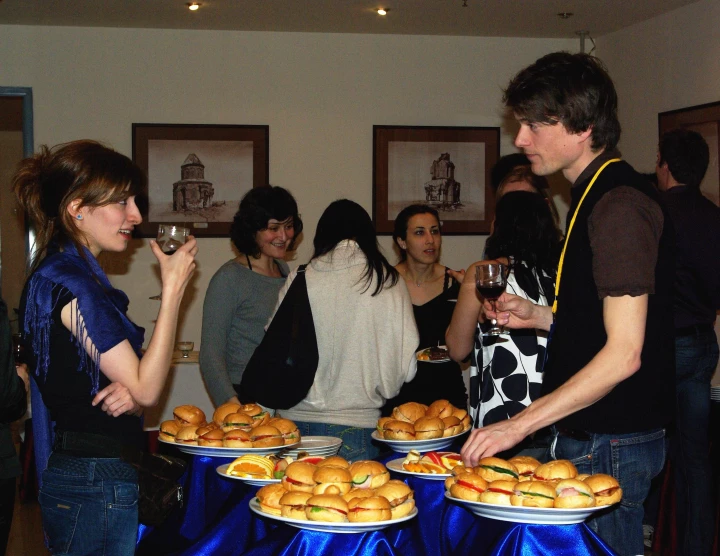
[502,18]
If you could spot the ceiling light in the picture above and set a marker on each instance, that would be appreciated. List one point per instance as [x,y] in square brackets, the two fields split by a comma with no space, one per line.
[193,6]
[565,15]
[383,11]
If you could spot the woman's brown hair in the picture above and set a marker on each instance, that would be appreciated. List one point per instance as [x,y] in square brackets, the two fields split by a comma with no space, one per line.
[46,183]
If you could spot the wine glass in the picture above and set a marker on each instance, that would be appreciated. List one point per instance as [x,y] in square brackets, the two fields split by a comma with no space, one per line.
[185,348]
[490,281]
[170,238]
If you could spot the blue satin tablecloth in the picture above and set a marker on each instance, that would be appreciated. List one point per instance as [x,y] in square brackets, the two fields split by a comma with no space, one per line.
[216,520]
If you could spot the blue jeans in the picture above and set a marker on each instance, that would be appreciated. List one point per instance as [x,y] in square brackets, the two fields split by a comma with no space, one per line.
[696,357]
[633,459]
[89,506]
[356,442]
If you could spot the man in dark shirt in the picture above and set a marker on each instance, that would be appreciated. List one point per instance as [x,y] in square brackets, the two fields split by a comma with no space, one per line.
[608,388]
[683,158]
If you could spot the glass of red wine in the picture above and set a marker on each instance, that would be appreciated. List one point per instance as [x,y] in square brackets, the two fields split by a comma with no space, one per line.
[170,238]
[490,281]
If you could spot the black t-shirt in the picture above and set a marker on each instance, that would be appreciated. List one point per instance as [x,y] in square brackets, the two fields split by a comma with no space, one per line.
[67,392]
[434,381]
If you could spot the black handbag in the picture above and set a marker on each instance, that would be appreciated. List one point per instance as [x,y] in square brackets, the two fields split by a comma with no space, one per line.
[282,368]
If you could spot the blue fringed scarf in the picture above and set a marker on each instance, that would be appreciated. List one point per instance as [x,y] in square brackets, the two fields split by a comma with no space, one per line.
[103,309]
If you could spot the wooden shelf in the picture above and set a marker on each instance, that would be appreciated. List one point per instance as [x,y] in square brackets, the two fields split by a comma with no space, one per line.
[178,359]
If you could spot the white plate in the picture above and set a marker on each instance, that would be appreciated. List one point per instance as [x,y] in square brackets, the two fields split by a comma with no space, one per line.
[223,452]
[404,446]
[520,514]
[444,360]
[326,527]
[222,471]
[397,466]
[315,446]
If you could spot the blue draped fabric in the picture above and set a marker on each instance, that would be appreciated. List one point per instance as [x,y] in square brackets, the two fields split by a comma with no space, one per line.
[216,520]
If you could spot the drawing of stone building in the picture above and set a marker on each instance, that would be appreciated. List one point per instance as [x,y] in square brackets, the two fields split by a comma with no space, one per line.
[193,190]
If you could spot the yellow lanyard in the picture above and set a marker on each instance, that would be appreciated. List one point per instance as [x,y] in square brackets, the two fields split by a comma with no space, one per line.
[572,223]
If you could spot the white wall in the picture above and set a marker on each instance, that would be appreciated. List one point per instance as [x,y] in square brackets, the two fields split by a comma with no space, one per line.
[320,94]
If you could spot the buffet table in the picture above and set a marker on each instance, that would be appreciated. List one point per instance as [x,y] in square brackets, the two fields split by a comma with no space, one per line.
[216,519]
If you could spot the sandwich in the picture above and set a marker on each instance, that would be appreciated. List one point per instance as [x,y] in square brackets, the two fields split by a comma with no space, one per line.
[496,469]
[168,430]
[400,496]
[332,480]
[358,493]
[468,486]
[257,467]
[399,430]
[269,498]
[202,429]
[237,439]
[427,428]
[187,435]
[213,438]
[258,414]
[223,411]
[525,465]
[452,426]
[235,421]
[499,492]
[335,461]
[299,477]
[327,507]
[189,415]
[555,470]
[440,408]
[571,493]
[293,504]
[409,412]
[373,508]
[369,474]
[533,494]
[605,488]
[287,428]
[380,427]
[266,436]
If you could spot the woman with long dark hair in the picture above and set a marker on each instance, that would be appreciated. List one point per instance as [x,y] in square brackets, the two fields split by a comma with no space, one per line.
[85,353]
[365,331]
[242,293]
[506,372]
[433,292]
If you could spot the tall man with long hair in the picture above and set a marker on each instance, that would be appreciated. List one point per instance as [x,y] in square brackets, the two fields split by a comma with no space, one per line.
[608,385]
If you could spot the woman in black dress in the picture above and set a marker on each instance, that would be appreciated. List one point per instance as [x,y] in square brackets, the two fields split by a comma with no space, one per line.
[433,290]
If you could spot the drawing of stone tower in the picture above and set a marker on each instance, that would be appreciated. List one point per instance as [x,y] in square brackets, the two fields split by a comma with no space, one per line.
[193,190]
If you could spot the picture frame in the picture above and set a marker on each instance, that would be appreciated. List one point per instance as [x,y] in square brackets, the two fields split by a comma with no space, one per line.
[705,119]
[445,167]
[198,173]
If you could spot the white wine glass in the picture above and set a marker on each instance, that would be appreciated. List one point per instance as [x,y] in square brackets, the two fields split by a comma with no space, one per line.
[170,238]
[490,281]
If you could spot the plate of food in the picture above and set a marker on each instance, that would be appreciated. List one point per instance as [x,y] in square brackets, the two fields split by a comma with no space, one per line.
[404,446]
[434,354]
[329,512]
[432,466]
[255,470]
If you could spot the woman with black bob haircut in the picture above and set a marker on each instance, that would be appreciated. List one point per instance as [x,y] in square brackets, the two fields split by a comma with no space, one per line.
[365,331]
[506,372]
[242,293]
[85,353]
[433,291]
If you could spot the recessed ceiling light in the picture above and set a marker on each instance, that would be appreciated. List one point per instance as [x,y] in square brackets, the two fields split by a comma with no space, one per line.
[192,6]
[565,15]
[383,11]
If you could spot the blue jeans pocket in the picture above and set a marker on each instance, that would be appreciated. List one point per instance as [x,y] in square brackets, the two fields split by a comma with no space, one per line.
[60,518]
[636,461]
[125,495]
[354,445]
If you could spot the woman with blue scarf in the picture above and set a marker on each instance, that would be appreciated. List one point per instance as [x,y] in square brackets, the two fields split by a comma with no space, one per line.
[85,352]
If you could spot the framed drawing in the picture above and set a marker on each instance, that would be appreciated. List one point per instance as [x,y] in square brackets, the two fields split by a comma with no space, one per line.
[447,168]
[197,174]
[705,119]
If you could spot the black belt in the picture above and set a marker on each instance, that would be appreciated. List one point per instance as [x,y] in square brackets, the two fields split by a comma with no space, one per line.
[89,445]
[693,330]
[575,434]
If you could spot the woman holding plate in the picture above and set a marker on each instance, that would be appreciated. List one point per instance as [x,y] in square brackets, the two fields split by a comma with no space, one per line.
[433,291]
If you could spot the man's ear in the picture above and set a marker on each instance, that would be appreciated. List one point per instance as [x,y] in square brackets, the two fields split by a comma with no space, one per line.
[585,135]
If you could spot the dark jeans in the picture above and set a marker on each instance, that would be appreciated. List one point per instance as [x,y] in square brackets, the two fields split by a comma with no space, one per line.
[7,503]
[696,357]
[356,442]
[89,506]
[633,459]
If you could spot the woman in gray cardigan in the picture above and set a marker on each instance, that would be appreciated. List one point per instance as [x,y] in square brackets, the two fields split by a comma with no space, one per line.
[243,292]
